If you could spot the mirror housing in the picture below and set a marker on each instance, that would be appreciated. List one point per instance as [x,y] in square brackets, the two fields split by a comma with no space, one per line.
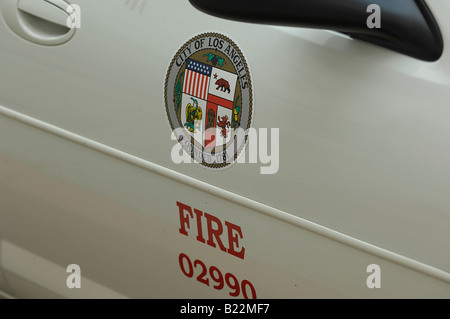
[407,26]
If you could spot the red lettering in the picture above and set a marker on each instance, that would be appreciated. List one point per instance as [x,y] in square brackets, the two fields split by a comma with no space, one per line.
[184,219]
[214,232]
[198,215]
[233,240]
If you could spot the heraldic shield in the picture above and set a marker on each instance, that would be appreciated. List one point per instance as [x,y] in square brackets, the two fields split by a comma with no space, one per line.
[207,103]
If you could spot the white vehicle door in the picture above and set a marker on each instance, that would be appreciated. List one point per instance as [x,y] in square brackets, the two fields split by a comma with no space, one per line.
[342,187]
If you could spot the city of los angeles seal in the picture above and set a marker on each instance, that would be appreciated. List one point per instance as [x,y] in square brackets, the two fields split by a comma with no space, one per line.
[208,99]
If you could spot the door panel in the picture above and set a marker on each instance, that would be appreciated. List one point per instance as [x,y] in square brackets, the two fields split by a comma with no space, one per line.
[88,176]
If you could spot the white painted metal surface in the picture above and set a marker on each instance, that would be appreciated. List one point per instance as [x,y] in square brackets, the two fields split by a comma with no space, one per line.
[86,175]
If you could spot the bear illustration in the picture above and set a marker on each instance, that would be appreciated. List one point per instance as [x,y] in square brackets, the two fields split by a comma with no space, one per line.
[223,85]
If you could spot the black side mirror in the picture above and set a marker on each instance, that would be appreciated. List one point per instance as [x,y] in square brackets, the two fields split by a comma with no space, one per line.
[407,26]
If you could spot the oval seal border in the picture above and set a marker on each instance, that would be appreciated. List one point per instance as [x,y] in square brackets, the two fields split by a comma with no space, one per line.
[222,55]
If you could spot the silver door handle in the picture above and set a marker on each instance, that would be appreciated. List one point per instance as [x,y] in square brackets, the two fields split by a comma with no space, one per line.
[41,21]
[46,10]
